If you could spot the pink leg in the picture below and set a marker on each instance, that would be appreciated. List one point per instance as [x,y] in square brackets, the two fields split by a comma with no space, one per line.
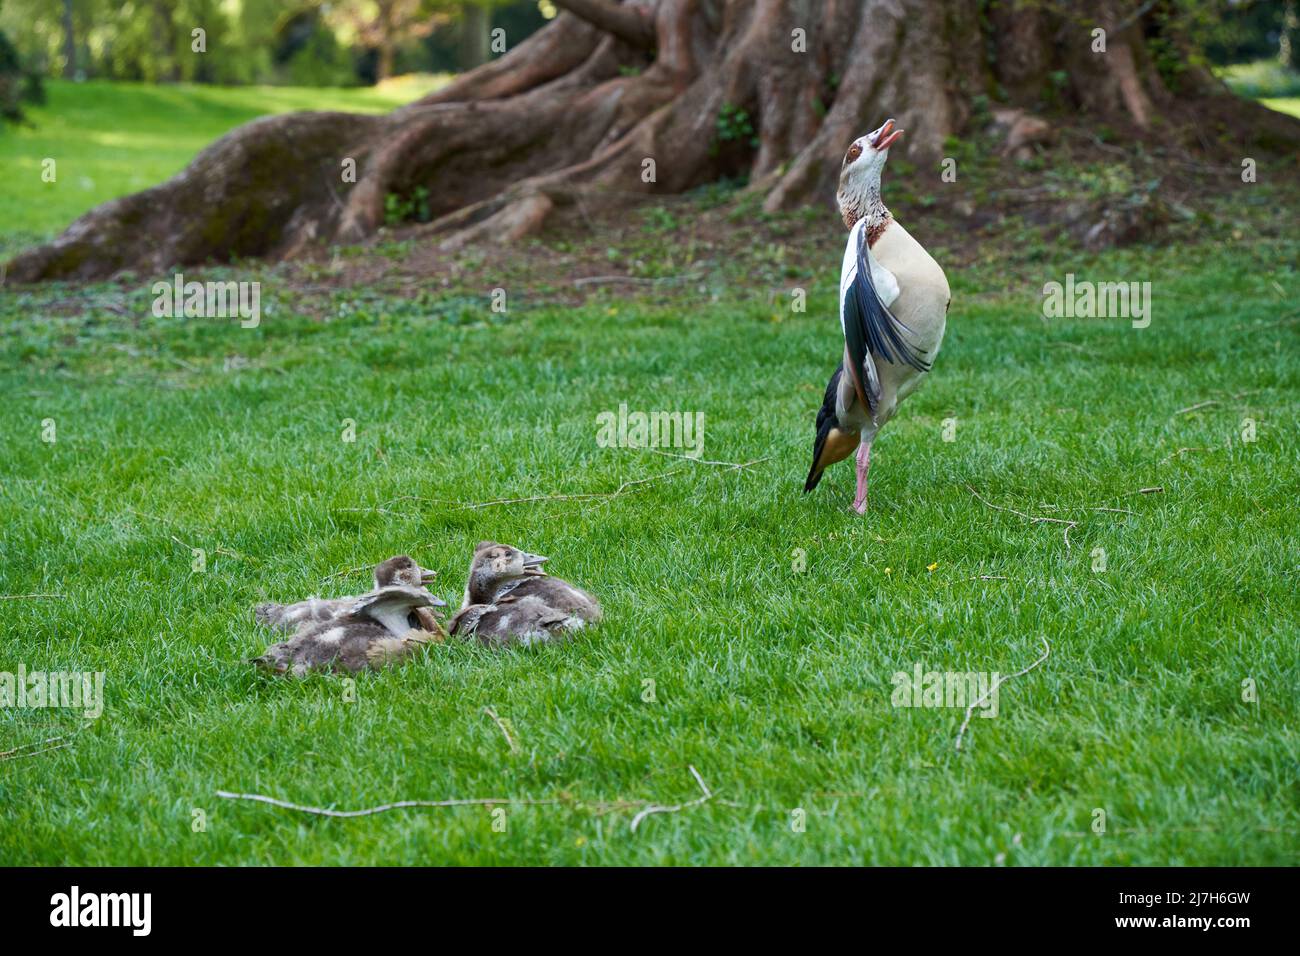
[864,466]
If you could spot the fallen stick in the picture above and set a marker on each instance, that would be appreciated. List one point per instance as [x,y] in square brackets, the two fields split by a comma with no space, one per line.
[598,806]
[495,502]
[47,740]
[733,465]
[347,571]
[11,755]
[514,748]
[583,496]
[1020,513]
[996,684]
[655,808]
[1192,408]
[383,808]
[635,280]
[15,753]
[1179,453]
[1029,517]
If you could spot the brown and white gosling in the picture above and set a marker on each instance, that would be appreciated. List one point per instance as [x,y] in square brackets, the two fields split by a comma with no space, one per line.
[372,632]
[493,574]
[510,599]
[399,570]
[514,620]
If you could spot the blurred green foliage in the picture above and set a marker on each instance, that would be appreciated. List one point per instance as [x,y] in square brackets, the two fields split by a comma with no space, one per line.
[297,42]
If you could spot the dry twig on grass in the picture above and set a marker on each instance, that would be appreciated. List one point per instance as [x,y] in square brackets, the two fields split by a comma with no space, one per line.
[383,808]
[18,752]
[655,808]
[1047,650]
[730,465]
[514,747]
[497,502]
[599,807]
[636,280]
[1181,452]
[348,571]
[581,496]
[1028,517]
[602,496]
[12,755]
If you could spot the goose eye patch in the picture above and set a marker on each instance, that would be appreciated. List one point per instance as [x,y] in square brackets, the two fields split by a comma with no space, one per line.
[854,152]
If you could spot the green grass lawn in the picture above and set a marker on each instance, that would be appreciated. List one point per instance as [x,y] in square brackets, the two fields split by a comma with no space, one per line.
[1288,105]
[770,623]
[773,682]
[1275,86]
[109,139]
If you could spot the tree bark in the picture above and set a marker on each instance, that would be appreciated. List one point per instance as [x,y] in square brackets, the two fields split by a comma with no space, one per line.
[654,96]
[472,46]
[69,43]
[627,23]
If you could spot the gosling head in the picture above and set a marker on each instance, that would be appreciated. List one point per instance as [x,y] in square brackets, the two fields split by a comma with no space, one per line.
[402,570]
[496,565]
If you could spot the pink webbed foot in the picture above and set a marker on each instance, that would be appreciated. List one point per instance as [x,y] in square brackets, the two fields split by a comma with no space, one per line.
[864,466]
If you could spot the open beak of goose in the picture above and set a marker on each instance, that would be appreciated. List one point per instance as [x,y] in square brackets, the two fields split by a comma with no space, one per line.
[533,564]
[427,576]
[884,137]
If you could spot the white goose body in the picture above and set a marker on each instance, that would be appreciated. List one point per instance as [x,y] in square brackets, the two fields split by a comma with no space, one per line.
[893,310]
[913,287]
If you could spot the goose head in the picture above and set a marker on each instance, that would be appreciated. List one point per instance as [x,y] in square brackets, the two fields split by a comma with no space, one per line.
[859,191]
[496,565]
[402,570]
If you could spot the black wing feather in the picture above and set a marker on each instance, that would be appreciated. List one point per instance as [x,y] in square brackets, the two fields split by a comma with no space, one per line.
[869,326]
[827,421]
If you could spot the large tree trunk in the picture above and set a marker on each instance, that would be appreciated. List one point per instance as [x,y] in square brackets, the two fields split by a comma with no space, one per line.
[651,96]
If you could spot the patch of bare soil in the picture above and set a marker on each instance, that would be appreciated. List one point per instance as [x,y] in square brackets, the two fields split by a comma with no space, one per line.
[1067,188]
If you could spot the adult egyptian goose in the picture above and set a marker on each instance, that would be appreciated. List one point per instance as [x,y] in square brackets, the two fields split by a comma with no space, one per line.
[893,307]
[373,632]
[399,570]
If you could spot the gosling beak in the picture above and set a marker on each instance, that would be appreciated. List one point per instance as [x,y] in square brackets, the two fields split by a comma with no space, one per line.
[883,138]
[533,564]
[435,601]
[426,575]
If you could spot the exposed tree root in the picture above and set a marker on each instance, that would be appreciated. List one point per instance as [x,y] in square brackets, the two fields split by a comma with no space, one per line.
[650,96]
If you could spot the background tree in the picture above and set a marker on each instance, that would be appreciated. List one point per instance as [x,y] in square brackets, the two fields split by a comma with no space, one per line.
[17,84]
[474,29]
[384,24]
[664,95]
[69,42]
[1287,53]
